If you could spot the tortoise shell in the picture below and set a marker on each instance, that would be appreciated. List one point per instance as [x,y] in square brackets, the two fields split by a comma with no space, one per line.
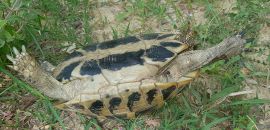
[118,77]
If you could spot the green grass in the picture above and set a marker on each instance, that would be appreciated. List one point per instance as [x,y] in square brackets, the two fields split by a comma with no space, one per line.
[52,23]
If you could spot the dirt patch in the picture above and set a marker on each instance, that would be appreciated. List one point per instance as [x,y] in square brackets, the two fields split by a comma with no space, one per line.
[226,6]
[264,35]
[259,59]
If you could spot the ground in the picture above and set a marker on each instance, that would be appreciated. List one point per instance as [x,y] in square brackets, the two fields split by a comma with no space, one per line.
[229,94]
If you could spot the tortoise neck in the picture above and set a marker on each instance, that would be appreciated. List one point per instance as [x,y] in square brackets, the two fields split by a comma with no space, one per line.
[193,60]
[44,82]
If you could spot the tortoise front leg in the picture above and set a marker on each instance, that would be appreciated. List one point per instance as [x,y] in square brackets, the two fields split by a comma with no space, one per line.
[47,66]
[31,72]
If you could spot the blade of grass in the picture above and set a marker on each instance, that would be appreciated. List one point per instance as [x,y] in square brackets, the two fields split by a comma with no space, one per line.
[35,41]
[127,30]
[22,84]
[34,92]
[7,89]
[86,24]
[188,108]
[55,114]
[115,33]
[215,122]
[223,93]
[250,101]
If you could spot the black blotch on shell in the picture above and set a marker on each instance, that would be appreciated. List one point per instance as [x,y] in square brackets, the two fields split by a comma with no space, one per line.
[164,36]
[114,103]
[96,107]
[150,36]
[77,106]
[73,54]
[135,96]
[151,95]
[158,53]
[90,68]
[167,92]
[170,44]
[92,47]
[117,61]
[117,42]
[66,72]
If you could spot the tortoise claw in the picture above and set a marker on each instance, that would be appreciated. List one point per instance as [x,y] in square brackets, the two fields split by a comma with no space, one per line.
[23,49]
[11,59]
[10,66]
[21,62]
[17,53]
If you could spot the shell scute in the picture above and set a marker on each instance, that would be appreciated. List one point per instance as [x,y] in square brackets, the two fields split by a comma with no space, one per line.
[150,36]
[117,42]
[118,61]
[134,98]
[114,103]
[112,100]
[66,72]
[90,48]
[165,36]
[152,93]
[159,53]
[73,54]
[96,107]
[90,68]
[170,44]
[168,91]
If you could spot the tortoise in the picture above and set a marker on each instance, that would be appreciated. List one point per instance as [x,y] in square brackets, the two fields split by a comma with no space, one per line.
[121,77]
